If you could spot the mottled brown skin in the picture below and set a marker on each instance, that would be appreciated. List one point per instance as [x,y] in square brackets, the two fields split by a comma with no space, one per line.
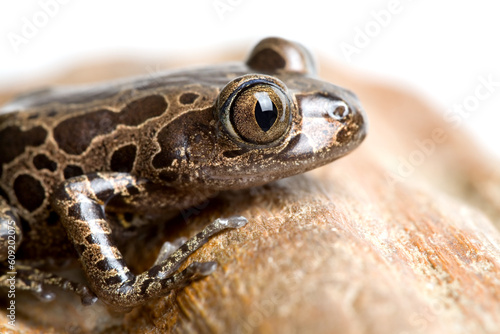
[154,146]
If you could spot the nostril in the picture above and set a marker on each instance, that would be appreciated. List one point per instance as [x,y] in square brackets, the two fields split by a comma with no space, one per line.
[338,110]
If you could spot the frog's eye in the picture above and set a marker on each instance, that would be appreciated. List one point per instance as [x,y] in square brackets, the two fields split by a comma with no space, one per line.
[255,109]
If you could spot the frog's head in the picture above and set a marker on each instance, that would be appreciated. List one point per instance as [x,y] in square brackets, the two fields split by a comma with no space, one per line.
[274,120]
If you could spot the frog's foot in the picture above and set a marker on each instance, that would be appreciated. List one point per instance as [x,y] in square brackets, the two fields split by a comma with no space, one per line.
[193,272]
[163,276]
[173,255]
[26,278]
[220,224]
[79,202]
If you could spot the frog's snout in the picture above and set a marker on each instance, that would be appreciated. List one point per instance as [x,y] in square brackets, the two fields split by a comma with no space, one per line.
[350,118]
[333,124]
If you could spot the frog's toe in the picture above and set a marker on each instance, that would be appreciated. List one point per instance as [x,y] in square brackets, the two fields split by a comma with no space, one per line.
[88,297]
[195,271]
[43,294]
[233,222]
[169,248]
[199,269]
[178,243]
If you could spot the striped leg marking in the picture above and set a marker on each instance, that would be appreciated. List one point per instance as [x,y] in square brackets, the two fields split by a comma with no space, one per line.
[80,201]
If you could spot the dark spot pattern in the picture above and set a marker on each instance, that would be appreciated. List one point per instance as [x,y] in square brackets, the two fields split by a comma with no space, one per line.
[53,218]
[128,216]
[188,98]
[145,285]
[267,60]
[4,195]
[96,238]
[169,145]
[103,265]
[75,134]
[168,176]
[14,141]
[113,280]
[72,171]
[154,271]
[41,161]
[29,192]
[123,159]
[164,158]
[25,225]
[103,189]
[177,135]
[75,210]
[133,190]
[234,153]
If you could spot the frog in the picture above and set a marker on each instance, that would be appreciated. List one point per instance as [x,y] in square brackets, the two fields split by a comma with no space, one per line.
[79,165]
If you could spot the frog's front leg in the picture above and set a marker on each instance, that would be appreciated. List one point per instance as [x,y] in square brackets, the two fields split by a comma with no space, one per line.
[79,202]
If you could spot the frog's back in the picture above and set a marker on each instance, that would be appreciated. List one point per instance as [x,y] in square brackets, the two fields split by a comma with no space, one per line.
[59,133]
[52,135]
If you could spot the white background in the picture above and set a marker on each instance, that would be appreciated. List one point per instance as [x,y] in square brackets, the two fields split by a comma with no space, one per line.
[438,48]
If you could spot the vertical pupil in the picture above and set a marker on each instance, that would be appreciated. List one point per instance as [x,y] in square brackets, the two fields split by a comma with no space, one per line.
[265,111]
